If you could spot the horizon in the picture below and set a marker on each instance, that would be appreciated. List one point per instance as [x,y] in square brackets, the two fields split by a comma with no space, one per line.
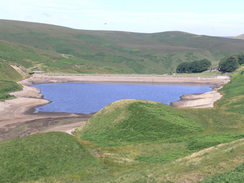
[220,18]
[119,30]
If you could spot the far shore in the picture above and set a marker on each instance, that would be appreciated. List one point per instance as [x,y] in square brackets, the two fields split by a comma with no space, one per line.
[17,111]
[125,78]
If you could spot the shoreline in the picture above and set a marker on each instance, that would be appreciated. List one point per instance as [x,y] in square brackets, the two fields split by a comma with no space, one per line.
[31,97]
[20,110]
[119,78]
[203,100]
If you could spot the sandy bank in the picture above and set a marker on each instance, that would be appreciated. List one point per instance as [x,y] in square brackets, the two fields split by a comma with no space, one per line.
[204,100]
[16,113]
[18,110]
[25,100]
[49,78]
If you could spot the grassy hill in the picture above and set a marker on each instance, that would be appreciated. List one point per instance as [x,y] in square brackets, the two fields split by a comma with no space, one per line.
[43,155]
[6,87]
[8,73]
[236,175]
[130,121]
[60,49]
[240,36]
[8,76]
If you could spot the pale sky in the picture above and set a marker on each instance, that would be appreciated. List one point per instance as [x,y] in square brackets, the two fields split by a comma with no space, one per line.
[209,17]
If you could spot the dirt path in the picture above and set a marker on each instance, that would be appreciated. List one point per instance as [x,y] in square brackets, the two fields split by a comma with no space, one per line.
[68,128]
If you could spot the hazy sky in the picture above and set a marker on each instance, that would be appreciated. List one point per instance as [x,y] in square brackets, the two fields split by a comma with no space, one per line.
[210,17]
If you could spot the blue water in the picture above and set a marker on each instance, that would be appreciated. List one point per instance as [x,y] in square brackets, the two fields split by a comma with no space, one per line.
[91,97]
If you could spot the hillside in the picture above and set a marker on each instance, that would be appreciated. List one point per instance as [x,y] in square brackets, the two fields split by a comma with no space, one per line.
[8,73]
[8,76]
[60,49]
[240,36]
[236,175]
[43,155]
[130,121]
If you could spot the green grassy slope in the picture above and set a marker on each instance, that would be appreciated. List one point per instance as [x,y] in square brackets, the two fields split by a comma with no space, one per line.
[234,176]
[26,56]
[8,73]
[62,49]
[43,155]
[6,87]
[234,95]
[8,76]
[138,121]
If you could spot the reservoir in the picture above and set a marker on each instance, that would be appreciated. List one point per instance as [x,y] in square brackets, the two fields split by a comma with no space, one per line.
[88,98]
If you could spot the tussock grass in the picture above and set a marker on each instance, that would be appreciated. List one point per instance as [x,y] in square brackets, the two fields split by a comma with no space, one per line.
[8,76]
[6,87]
[234,176]
[43,155]
[8,73]
[234,95]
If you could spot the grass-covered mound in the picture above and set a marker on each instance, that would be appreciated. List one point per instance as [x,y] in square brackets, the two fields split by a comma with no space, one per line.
[8,73]
[234,94]
[43,155]
[137,121]
[7,77]
[6,87]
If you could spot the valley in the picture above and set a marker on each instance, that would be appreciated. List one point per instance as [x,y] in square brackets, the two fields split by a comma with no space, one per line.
[200,139]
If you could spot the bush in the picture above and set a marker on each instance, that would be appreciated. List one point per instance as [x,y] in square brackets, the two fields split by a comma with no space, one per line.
[183,68]
[228,64]
[193,67]
[240,59]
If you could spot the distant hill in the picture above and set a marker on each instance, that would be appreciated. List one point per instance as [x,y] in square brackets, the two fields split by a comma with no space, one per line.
[240,36]
[60,49]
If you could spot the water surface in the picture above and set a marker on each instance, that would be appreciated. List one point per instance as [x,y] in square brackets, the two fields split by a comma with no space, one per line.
[91,97]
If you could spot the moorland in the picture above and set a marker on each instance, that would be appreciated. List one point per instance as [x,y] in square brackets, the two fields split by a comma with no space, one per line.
[129,140]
